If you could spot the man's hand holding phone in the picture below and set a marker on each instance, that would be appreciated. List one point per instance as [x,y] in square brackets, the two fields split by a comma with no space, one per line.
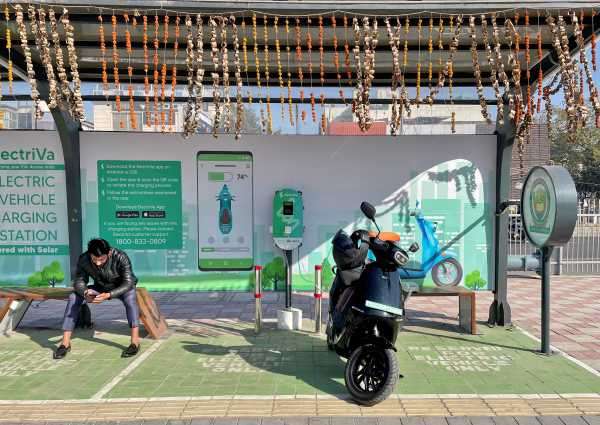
[90,295]
[101,297]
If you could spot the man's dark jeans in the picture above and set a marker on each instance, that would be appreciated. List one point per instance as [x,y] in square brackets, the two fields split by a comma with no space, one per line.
[129,299]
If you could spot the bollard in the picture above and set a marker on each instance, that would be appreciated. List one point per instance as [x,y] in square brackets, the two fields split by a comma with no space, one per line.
[318,297]
[257,297]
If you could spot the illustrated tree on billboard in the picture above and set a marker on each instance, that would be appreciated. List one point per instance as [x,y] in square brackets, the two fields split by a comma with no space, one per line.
[475,281]
[274,273]
[48,276]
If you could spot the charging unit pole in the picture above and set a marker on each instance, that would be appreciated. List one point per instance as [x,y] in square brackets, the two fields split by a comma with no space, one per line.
[549,214]
[288,278]
[288,231]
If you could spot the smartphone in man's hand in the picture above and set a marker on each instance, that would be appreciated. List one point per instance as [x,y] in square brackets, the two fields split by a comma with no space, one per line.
[91,294]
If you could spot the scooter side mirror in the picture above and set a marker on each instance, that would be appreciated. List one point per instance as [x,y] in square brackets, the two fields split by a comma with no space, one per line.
[368,210]
[414,247]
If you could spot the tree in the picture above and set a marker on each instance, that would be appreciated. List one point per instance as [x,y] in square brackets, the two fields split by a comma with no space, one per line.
[273,273]
[345,116]
[475,281]
[581,156]
[49,276]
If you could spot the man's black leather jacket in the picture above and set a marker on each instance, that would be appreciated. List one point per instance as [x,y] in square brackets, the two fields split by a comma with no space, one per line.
[115,276]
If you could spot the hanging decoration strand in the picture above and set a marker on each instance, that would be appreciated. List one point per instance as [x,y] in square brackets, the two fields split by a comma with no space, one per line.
[239,109]
[9,49]
[593,92]
[35,94]
[267,74]
[289,71]
[188,120]
[54,94]
[477,70]
[174,75]
[493,71]
[77,111]
[215,75]
[199,71]
[225,67]
[263,123]
[60,61]
[445,71]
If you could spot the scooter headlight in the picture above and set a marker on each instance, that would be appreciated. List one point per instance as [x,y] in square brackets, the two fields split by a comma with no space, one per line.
[400,258]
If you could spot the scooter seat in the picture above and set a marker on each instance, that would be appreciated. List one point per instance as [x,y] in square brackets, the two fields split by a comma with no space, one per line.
[386,236]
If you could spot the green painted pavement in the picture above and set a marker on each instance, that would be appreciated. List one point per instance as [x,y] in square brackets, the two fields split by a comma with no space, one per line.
[28,371]
[227,358]
[287,363]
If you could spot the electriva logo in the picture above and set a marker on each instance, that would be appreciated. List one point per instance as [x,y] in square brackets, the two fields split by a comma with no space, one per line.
[34,154]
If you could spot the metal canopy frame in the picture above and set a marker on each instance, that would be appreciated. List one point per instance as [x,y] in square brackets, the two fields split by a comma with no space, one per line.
[86,16]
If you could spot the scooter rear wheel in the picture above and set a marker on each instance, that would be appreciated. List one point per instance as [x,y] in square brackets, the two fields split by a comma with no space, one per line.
[371,374]
[447,273]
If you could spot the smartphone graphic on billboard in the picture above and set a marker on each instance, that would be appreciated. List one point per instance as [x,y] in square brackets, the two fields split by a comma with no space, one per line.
[225,211]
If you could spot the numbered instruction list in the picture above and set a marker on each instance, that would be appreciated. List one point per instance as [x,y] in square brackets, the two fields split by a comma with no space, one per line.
[140,204]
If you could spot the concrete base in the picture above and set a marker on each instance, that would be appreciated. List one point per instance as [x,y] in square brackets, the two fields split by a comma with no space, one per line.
[289,319]
[297,318]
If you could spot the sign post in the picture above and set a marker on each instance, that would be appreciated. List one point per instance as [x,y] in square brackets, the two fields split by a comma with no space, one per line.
[549,214]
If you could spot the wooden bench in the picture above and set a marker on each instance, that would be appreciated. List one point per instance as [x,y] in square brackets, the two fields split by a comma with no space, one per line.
[18,300]
[467,306]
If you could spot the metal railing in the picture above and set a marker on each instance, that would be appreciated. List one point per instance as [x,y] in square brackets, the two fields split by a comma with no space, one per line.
[581,256]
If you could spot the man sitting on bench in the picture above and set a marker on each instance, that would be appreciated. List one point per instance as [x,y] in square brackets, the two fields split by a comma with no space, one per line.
[113,278]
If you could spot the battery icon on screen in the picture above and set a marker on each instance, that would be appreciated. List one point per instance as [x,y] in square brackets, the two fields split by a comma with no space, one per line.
[219,176]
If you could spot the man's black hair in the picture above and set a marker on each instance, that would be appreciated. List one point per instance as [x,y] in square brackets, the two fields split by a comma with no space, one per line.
[98,247]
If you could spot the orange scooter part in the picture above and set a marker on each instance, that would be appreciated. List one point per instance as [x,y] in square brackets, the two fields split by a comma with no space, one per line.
[386,236]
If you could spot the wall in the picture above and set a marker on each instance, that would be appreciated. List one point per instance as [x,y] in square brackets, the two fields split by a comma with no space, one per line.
[451,176]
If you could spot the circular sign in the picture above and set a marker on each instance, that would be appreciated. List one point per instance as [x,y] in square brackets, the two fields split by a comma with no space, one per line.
[549,206]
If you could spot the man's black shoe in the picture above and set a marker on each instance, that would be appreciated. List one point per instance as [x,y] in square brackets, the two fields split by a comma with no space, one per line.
[61,351]
[131,351]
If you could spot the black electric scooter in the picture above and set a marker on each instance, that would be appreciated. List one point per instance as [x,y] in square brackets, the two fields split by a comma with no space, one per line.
[366,310]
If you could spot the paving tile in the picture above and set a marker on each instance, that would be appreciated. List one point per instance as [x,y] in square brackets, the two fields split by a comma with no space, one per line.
[458,420]
[393,421]
[367,421]
[225,421]
[526,420]
[272,421]
[414,420]
[296,421]
[346,421]
[481,420]
[249,421]
[504,420]
[573,420]
[592,420]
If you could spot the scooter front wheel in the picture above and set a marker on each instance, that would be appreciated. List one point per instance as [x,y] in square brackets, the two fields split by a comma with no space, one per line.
[371,374]
[447,273]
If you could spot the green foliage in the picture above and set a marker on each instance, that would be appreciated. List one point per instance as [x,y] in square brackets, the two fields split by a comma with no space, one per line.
[581,156]
[327,275]
[36,279]
[475,281]
[49,276]
[274,274]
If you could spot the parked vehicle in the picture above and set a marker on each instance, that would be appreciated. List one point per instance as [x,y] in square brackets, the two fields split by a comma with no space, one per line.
[366,309]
